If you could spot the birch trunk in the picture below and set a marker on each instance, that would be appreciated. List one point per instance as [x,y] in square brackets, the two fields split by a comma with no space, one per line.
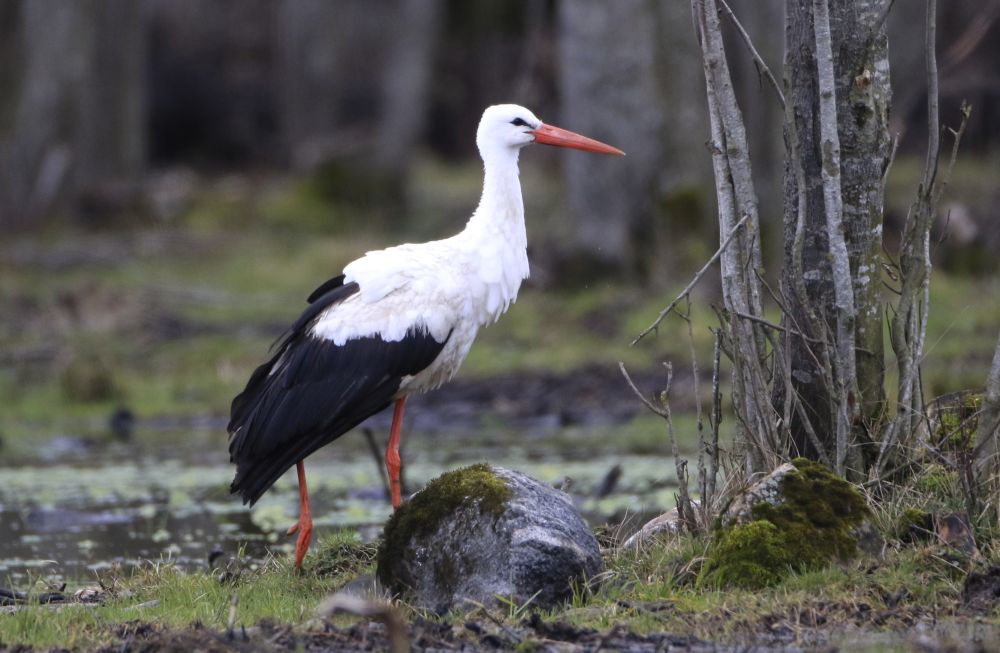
[741,261]
[835,396]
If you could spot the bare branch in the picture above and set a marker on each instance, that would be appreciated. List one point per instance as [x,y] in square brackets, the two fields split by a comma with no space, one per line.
[716,421]
[694,281]
[776,327]
[883,15]
[909,324]
[933,119]
[638,393]
[759,60]
[684,508]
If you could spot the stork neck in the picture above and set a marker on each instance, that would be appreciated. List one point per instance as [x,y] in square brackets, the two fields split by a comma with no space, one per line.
[501,208]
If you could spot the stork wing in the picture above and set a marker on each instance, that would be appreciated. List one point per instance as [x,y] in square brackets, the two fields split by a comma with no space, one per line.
[312,391]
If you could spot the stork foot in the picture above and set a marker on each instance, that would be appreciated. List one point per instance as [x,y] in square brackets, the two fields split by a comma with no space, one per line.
[304,527]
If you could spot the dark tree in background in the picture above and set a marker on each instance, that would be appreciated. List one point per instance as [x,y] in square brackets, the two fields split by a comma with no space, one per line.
[73,107]
[607,83]
[629,74]
[339,94]
[98,94]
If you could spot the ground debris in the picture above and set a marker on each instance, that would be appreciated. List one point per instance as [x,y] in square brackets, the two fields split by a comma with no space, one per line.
[981,590]
[12,597]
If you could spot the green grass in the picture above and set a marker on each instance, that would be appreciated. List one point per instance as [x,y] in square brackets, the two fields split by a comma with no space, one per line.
[163,595]
[651,588]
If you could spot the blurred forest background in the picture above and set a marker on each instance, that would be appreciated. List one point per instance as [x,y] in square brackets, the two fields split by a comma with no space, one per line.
[116,112]
[185,170]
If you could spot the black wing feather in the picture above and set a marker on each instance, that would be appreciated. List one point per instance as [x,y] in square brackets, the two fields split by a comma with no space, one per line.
[326,287]
[313,391]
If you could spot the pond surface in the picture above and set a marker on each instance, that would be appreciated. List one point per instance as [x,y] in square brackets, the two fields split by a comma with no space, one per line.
[90,507]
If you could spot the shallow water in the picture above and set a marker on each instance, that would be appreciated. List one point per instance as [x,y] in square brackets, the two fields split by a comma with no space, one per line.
[92,508]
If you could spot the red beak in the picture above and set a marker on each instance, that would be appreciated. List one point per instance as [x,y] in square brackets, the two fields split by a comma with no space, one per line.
[551,135]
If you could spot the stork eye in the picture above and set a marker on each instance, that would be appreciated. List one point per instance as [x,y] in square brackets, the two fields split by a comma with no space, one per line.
[518,122]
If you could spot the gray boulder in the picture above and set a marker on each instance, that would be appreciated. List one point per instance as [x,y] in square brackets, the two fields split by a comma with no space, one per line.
[482,532]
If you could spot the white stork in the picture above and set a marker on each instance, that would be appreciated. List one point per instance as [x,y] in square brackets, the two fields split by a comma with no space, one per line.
[397,321]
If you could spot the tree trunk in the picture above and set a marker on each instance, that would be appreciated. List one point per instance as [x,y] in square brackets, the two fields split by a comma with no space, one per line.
[35,130]
[72,115]
[740,262]
[406,84]
[307,76]
[861,89]
[608,90]
[110,141]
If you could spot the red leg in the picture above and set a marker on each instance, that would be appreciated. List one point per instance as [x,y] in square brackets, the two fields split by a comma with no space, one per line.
[392,462]
[305,523]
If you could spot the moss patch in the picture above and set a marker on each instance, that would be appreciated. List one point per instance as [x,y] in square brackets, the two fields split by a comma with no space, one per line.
[342,556]
[915,525]
[811,527]
[421,515]
[748,555]
[937,482]
[956,417]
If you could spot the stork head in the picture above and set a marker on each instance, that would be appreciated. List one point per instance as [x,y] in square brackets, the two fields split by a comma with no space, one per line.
[506,128]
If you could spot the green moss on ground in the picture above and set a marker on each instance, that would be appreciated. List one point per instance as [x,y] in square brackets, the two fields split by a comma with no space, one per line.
[937,482]
[341,555]
[751,555]
[811,528]
[956,416]
[420,516]
[914,525]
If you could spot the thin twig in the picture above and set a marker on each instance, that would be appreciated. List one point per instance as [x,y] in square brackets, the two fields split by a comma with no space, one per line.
[759,60]
[702,471]
[709,497]
[776,327]
[684,507]
[377,455]
[694,281]
[638,393]
[889,162]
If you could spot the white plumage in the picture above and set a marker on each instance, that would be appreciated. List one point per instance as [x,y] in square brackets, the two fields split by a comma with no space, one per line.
[452,286]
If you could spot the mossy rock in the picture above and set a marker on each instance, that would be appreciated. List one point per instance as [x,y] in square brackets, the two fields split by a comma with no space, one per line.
[474,485]
[914,525]
[484,532]
[749,556]
[801,517]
